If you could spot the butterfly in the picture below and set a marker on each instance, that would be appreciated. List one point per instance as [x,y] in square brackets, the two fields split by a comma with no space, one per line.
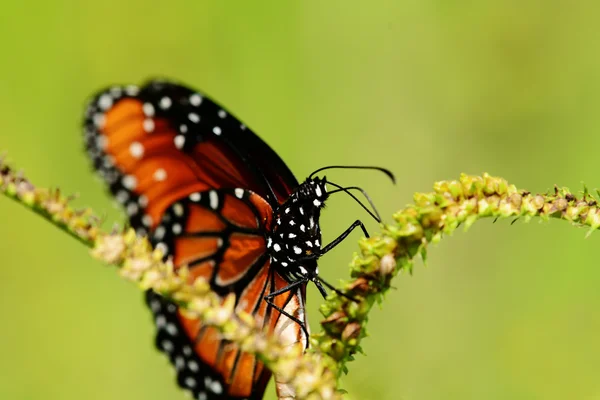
[213,196]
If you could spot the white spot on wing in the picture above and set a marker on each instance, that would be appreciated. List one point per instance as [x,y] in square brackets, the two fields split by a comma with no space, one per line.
[195,196]
[159,233]
[195,99]
[213,198]
[165,103]
[148,125]
[179,141]
[176,229]
[297,250]
[132,90]
[147,220]
[178,209]
[99,120]
[217,130]
[195,118]
[132,209]
[222,114]
[239,193]
[160,175]
[136,149]
[163,248]
[148,109]
[122,196]
[105,101]
[129,181]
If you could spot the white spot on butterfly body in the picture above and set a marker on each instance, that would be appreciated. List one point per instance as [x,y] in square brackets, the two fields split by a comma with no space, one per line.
[148,109]
[195,118]
[309,244]
[213,198]
[239,193]
[195,99]
[129,181]
[301,210]
[287,210]
[291,236]
[297,250]
[195,196]
[222,114]
[302,228]
[136,149]
[292,223]
[276,247]
[284,264]
[217,130]
[165,103]
[318,192]
[160,175]
[105,102]
[317,243]
[148,125]
[316,202]
[179,141]
[303,270]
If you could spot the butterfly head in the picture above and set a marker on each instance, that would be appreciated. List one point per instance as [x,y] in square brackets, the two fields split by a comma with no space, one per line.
[296,234]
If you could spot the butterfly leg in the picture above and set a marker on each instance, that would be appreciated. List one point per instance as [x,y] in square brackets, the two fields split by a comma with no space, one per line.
[318,280]
[343,236]
[268,298]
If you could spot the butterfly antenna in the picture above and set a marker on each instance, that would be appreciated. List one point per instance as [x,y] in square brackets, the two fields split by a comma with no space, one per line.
[346,190]
[384,170]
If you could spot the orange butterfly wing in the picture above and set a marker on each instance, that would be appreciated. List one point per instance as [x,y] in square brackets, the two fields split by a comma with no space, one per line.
[203,187]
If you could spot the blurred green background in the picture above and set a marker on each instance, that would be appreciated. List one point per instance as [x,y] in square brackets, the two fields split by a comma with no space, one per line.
[429,89]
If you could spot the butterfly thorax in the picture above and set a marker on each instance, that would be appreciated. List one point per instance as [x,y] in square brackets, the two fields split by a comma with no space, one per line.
[295,241]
